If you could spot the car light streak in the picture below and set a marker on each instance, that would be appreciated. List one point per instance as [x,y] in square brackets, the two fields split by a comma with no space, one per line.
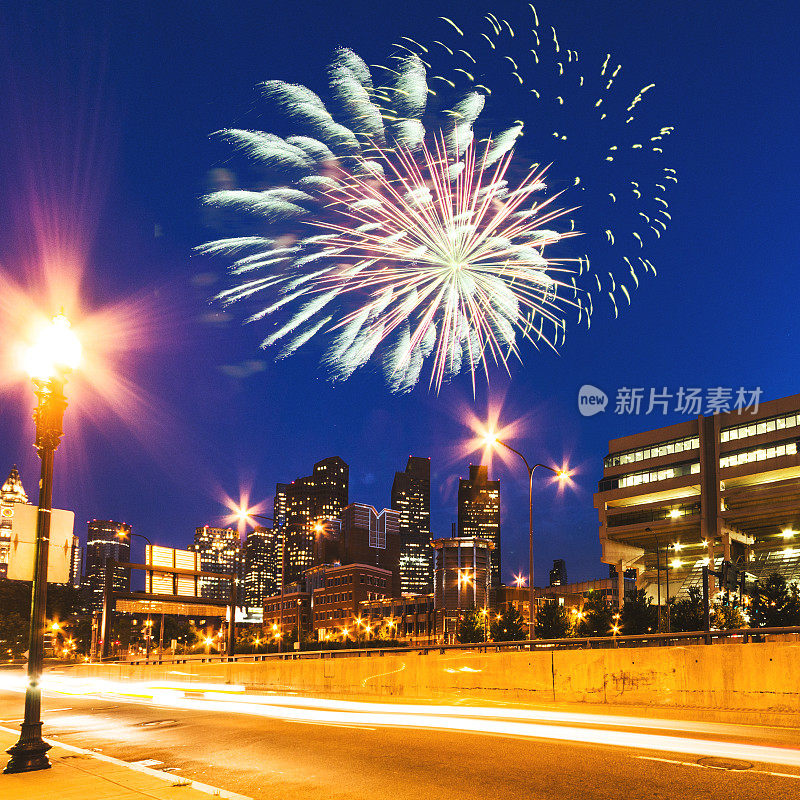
[518,722]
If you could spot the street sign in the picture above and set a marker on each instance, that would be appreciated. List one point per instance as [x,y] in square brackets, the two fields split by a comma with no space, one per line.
[176,608]
[22,548]
[169,558]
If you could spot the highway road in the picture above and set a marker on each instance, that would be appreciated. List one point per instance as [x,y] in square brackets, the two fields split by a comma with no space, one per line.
[285,747]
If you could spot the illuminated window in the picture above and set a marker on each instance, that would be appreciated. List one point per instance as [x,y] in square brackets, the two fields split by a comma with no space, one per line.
[763,453]
[653,451]
[650,476]
[746,430]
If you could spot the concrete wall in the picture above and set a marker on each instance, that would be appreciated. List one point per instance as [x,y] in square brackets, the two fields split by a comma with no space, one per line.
[755,677]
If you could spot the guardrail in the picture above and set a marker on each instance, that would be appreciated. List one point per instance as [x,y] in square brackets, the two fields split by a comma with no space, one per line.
[746,635]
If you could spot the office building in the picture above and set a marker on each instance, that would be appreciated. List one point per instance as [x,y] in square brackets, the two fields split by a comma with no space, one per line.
[725,486]
[337,592]
[373,538]
[410,617]
[462,579]
[295,615]
[302,505]
[11,493]
[479,512]
[106,539]
[261,574]
[75,562]
[558,575]
[570,595]
[411,498]
[220,551]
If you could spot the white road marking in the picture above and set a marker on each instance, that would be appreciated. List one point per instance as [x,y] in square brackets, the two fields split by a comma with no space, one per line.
[330,724]
[707,766]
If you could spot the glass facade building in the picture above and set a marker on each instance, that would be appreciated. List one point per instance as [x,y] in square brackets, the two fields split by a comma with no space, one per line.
[479,512]
[411,498]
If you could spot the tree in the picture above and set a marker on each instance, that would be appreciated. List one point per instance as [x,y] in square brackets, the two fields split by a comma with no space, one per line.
[687,613]
[510,627]
[470,627]
[773,604]
[638,615]
[13,634]
[727,616]
[552,622]
[595,616]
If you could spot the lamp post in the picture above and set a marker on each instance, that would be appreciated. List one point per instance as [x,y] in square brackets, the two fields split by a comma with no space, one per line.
[49,361]
[149,623]
[244,515]
[560,474]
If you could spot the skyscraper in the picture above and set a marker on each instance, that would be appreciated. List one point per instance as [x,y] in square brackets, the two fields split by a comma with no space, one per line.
[411,498]
[261,573]
[558,575]
[479,511]
[309,501]
[220,551]
[10,493]
[75,562]
[102,544]
[371,537]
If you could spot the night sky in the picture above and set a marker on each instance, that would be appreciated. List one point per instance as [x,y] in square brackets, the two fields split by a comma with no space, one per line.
[125,96]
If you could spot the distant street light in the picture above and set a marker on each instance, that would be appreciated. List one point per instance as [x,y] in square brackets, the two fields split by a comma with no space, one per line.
[243,515]
[491,439]
[50,359]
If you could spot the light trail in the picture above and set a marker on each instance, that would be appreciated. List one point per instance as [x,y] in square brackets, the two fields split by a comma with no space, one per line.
[592,729]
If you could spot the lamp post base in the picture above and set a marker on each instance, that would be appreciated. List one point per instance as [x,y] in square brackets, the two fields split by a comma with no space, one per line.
[30,752]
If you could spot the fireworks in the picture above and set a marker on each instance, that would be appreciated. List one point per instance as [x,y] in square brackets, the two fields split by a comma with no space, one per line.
[397,245]
[582,116]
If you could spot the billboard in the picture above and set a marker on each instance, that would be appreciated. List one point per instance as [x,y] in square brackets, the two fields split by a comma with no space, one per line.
[165,582]
[22,547]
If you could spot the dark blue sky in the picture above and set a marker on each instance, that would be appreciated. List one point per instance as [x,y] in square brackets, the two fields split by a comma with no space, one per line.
[154,80]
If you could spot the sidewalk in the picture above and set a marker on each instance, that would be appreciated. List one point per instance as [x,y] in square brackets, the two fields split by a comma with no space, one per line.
[79,774]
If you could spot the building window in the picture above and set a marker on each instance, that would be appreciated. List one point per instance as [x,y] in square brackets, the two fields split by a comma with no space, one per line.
[762,453]
[746,430]
[653,451]
[649,476]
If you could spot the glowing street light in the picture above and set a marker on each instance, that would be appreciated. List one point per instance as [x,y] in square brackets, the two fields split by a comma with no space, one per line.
[490,440]
[49,360]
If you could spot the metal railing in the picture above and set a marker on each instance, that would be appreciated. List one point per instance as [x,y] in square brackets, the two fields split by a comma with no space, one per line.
[745,635]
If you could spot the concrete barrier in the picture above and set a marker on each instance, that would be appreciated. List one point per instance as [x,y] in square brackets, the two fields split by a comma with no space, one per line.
[753,677]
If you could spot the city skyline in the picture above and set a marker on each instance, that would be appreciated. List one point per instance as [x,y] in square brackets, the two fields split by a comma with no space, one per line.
[194,360]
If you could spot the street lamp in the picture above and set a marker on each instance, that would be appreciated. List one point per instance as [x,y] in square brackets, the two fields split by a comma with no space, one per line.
[243,515]
[56,352]
[121,534]
[561,474]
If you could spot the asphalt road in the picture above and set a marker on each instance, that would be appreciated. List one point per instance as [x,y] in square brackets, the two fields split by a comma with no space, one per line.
[338,755]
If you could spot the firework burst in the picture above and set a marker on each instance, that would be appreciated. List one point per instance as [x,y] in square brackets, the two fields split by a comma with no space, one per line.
[584,117]
[398,247]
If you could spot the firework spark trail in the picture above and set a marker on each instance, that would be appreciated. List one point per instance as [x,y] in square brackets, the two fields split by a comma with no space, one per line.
[557,88]
[390,241]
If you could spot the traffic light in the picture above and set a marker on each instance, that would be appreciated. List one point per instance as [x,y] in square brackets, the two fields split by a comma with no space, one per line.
[729,577]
